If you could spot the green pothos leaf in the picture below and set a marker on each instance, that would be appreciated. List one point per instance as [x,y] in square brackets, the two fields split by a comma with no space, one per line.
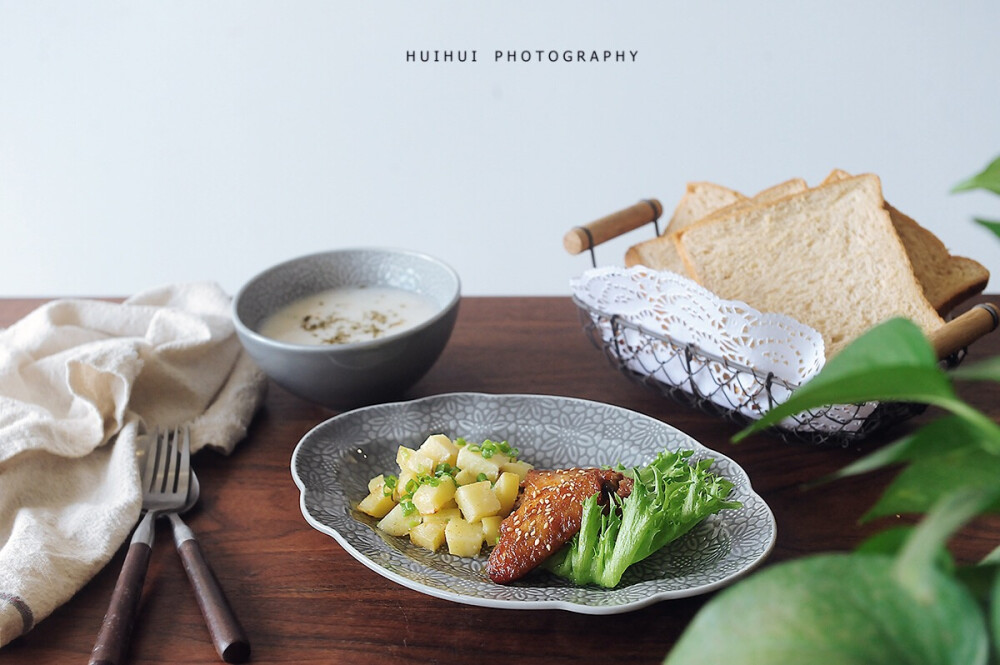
[891,541]
[891,362]
[995,615]
[835,609]
[992,226]
[988,179]
[984,370]
[944,455]
[915,566]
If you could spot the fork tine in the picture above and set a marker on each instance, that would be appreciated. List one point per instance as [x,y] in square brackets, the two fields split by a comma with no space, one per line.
[172,471]
[184,463]
[164,465]
[148,475]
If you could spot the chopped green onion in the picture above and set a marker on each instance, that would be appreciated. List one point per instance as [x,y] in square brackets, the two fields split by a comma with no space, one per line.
[443,469]
[481,477]
[388,485]
[475,448]
[408,507]
[460,442]
[411,486]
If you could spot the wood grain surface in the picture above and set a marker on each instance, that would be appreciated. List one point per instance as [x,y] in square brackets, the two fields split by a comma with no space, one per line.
[302,599]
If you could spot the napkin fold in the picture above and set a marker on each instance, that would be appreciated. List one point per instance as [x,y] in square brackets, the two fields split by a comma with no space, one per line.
[80,382]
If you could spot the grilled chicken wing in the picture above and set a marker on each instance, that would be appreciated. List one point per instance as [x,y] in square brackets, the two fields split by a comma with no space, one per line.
[547,516]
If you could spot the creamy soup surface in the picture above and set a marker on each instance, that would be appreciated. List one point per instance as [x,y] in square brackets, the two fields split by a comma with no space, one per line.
[348,314]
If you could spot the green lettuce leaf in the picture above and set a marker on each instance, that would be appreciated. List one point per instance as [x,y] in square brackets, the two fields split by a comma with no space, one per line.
[669,497]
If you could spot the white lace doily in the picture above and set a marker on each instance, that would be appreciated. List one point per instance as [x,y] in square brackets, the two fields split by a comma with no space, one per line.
[722,350]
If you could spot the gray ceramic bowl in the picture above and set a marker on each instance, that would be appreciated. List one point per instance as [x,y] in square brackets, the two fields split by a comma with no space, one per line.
[345,375]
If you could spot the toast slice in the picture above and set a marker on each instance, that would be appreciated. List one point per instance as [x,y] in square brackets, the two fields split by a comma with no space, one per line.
[702,199]
[781,190]
[947,279]
[828,256]
[658,253]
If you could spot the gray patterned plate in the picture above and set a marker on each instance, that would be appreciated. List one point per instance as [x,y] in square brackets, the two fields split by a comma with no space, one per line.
[334,462]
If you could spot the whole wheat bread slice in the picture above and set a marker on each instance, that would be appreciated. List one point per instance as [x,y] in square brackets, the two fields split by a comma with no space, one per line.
[947,279]
[702,199]
[829,257]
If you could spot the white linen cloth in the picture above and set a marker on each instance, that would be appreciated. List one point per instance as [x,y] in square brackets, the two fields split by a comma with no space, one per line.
[80,381]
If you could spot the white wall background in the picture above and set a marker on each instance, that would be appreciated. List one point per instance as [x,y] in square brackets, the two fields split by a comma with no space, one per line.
[146,142]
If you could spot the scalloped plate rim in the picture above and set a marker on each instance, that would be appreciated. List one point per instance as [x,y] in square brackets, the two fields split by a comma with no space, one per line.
[580,608]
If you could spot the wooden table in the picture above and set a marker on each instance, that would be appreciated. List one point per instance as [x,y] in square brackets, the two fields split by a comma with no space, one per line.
[303,599]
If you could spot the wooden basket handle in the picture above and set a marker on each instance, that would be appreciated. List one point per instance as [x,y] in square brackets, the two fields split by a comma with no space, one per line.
[965,329]
[581,238]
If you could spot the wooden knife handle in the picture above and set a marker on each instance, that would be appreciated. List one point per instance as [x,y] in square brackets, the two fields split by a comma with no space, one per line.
[113,639]
[227,634]
[965,329]
[581,238]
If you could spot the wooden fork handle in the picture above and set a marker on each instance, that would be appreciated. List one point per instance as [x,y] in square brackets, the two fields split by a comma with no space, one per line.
[113,639]
[227,634]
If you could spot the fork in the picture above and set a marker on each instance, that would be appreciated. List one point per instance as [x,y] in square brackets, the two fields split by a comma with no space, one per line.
[227,634]
[165,480]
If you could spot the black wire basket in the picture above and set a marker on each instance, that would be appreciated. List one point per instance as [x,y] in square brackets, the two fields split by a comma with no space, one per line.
[718,386]
[731,390]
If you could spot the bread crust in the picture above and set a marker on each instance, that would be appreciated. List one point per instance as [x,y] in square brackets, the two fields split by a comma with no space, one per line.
[947,280]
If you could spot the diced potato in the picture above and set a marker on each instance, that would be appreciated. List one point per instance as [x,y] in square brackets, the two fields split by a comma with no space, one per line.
[377,504]
[429,535]
[466,477]
[404,479]
[498,458]
[463,510]
[520,467]
[396,523]
[477,501]
[474,462]
[506,489]
[440,448]
[376,484]
[444,516]
[491,529]
[464,538]
[403,455]
[421,463]
[430,498]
